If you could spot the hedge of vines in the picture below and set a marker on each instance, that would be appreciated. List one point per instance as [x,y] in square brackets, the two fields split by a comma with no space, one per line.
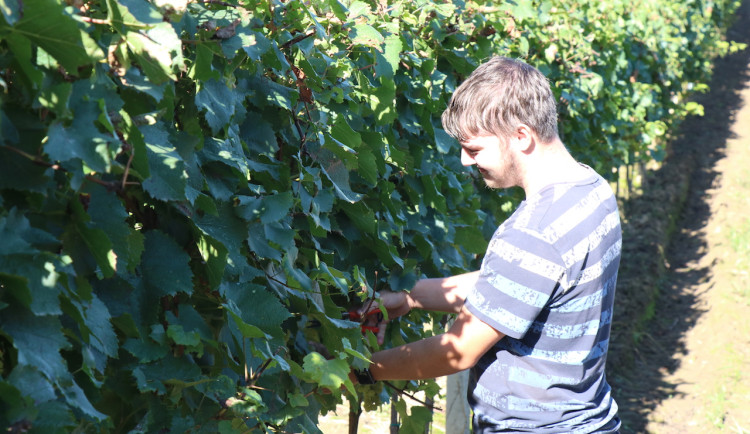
[192,193]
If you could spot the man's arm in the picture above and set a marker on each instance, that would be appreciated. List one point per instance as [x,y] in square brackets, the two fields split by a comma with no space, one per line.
[461,347]
[446,294]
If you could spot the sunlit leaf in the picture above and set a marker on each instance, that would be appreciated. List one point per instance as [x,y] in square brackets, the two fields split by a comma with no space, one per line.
[46,24]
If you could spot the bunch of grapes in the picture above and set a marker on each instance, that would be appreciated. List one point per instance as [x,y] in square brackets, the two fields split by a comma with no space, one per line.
[372,395]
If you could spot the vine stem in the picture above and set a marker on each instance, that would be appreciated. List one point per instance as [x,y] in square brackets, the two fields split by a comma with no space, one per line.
[297,39]
[96,21]
[54,166]
[127,168]
[264,366]
[403,392]
[217,2]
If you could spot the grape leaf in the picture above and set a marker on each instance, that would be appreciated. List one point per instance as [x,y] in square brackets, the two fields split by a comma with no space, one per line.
[330,374]
[47,25]
[167,169]
[38,339]
[164,265]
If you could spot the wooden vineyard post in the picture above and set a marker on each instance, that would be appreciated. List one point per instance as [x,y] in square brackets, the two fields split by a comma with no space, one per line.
[457,413]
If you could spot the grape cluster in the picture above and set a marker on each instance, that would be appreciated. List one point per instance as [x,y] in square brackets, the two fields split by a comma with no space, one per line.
[372,395]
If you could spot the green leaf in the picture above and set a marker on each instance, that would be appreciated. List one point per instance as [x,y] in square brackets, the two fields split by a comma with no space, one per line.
[383,102]
[82,139]
[227,151]
[523,46]
[125,14]
[38,339]
[247,330]
[256,306]
[368,166]
[158,49]
[593,84]
[13,227]
[281,234]
[338,174]
[353,352]
[694,108]
[191,321]
[267,209]
[330,374]
[108,214]
[202,68]
[296,275]
[214,255]
[56,98]
[253,43]
[164,265]
[415,422]
[22,50]
[153,377]
[522,10]
[365,34]
[471,239]
[180,337]
[12,11]
[388,62]
[21,174]
[344,133]
[258,241]
[47,25]
[146,350]
[225,227]
[75,396]
[95,241]
[357,9]
[32,383]
[275,94]
[167,169]
[362,216]
[99,331]
[445,143]
[217,101]
[259,135]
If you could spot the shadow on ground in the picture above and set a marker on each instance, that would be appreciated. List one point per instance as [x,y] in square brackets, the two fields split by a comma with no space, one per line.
[663,234]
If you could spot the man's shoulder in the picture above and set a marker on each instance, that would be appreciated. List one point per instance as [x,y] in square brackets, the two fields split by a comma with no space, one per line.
[564,206]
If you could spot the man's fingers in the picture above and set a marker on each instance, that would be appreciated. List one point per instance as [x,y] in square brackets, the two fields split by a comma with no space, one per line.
[381,332]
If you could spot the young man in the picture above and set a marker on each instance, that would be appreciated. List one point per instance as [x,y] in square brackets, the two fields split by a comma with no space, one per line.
[533,323]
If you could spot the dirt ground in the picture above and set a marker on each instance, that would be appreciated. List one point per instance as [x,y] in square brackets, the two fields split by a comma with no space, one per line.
[690,362]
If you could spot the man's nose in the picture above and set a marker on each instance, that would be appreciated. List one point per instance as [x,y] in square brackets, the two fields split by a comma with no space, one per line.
[466,159]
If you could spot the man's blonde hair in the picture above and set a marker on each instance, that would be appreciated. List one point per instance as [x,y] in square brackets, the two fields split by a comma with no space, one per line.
[498,96]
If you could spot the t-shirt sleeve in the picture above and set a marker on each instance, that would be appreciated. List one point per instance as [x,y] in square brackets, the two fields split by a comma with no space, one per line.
[521,271]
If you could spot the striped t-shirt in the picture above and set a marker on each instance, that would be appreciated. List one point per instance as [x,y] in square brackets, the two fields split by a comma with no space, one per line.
[548,283]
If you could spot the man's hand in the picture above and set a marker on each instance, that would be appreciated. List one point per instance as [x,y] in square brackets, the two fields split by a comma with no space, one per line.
[396,304]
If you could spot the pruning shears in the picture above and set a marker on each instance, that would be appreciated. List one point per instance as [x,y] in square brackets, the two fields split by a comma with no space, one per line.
[354,315]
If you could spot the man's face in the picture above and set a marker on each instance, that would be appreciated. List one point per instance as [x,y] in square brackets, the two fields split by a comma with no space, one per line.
[493,158]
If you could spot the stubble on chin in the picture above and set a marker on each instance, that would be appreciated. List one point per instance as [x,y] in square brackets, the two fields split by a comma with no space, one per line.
[490,184]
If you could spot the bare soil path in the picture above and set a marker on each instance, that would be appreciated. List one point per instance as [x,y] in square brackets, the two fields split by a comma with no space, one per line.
[691,370]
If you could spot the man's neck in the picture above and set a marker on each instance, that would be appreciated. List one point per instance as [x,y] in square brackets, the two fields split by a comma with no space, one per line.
[550,164]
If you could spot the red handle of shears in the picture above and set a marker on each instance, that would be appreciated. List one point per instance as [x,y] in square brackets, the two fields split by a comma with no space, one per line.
[355,315]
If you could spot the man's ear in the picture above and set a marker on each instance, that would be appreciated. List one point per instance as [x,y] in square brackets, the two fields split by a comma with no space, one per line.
[523,139]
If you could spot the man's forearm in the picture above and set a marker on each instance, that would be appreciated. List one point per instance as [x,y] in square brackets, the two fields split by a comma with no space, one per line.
[410,361]
[459,348]
[445,294]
